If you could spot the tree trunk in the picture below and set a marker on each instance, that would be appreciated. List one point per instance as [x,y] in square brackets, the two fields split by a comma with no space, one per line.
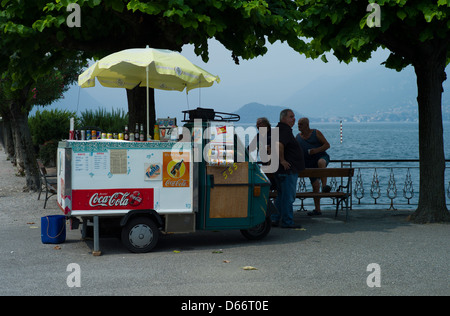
[8,141]
[25,155]
[430,71]
[137,108]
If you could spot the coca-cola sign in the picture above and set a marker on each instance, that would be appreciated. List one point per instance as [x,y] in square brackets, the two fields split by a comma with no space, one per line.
[176,171]
[112,199]
[175,183]
[117,199]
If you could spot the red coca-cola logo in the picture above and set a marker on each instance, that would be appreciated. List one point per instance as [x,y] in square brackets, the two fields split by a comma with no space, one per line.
[116,199]
[135,198]
[112,199]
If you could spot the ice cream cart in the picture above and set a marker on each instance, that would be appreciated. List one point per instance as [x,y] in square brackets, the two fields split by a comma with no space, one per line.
[204,181]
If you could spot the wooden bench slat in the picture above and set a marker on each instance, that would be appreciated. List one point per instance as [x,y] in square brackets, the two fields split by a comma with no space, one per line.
[320,194]
[301,195]
[323,172]
[326,172]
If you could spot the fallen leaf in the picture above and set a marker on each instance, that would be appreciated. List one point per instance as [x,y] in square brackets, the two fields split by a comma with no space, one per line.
[249,268]
[30,223]
[57,248]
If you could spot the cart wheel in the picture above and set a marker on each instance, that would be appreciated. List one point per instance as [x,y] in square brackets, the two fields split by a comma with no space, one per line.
[140,235]
[259,231]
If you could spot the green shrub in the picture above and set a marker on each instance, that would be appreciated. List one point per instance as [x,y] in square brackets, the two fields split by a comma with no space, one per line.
[47,128]
[111,122]
[47,153]
[50,125]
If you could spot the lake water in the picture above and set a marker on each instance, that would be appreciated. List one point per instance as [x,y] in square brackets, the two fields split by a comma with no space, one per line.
[379,182]
[372,140]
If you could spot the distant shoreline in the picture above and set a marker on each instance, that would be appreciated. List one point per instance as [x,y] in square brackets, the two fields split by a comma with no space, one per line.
[343,121]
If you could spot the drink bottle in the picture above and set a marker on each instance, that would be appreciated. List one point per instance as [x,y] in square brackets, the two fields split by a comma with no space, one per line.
[126,136]
[156,132]
[136,132]
[176,169]
[141,135]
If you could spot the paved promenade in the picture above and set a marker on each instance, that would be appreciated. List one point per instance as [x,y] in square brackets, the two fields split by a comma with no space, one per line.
[326,257]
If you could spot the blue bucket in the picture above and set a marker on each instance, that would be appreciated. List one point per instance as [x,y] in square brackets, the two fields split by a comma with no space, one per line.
[53,229]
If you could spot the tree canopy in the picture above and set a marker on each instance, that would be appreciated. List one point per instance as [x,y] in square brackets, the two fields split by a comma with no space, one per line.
[111,25]
[342,26]
[44,89]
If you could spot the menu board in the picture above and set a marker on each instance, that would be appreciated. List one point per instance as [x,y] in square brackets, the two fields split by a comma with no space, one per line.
[100,163]
[118,160]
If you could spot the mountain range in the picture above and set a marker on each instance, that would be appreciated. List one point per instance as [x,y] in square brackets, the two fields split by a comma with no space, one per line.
[379,95]
[408,113]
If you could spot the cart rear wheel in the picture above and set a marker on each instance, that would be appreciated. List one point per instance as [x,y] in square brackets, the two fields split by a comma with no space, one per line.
[259,231]
[140,235]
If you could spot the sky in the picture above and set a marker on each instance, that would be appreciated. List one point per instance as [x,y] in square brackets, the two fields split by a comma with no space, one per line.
[270,79]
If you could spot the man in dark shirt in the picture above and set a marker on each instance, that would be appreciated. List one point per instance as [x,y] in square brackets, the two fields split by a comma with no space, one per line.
[291,161]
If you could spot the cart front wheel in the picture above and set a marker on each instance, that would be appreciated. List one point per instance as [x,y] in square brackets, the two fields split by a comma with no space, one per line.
[140,235]
[259,231]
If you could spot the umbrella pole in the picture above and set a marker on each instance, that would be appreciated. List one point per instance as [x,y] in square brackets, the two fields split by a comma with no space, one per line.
[148,123]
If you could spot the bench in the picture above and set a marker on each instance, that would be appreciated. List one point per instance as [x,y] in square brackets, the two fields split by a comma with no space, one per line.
[342,193]
[48,182]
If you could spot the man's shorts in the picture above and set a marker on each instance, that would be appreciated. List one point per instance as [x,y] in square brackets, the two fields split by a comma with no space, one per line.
[313,163]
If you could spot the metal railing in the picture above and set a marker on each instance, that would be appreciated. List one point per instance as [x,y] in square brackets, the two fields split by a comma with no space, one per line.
[388,184]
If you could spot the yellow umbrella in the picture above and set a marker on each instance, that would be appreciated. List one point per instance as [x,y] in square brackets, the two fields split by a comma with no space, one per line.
[147,67]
